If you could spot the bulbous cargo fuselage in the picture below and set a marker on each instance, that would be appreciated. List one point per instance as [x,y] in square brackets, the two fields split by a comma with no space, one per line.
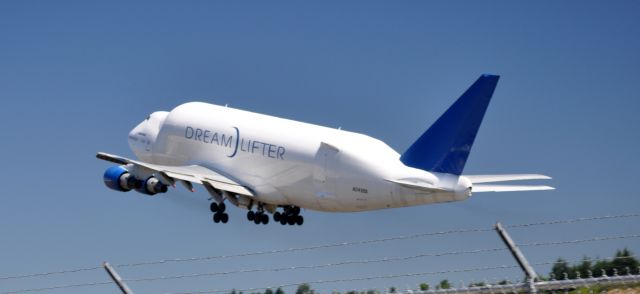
[286,162]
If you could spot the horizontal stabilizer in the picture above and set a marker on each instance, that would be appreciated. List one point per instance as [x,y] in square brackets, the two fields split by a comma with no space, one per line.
[416,186]
[508,188]
[476,179]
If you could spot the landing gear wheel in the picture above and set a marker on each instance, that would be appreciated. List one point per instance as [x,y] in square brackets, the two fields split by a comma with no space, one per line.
[214,207]
[283,220]
[299,220]
[250,215]
[264,218]
[295,210]
[216,218]
[291,221]
[222,207]
[224,218]
[276,216]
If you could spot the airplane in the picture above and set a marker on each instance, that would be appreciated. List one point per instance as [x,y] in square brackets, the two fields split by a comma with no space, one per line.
[270,165]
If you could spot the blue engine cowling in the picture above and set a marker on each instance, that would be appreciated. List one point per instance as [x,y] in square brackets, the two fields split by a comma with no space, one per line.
[118,178]
[152,186]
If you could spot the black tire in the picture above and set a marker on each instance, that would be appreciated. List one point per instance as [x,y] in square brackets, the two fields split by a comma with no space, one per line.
[222,207]
[214,207]
[276,216]
[299,220]
[283,220]
[296,210]
[251,215]
[256,219]
[291,221]
[216,218]
[224,218]
[265,219]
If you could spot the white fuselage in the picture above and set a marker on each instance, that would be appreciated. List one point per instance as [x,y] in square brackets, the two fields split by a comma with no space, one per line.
[286,162]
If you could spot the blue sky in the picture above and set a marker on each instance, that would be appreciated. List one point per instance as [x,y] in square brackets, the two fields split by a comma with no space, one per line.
[77,76]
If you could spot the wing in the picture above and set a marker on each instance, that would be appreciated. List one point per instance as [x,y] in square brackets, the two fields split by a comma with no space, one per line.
[476,179]
[187,174]
[508,188]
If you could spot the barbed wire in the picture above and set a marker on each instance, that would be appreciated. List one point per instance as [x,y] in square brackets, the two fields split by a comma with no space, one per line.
[574,220]
[297,249]
[594,239]
[317,266]
[332,245]
[380,260]
[372,241]
[58,287]
[51,273]
[392,276]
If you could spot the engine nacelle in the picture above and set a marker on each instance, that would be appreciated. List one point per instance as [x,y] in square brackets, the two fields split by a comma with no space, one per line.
[118,178]
[152,186]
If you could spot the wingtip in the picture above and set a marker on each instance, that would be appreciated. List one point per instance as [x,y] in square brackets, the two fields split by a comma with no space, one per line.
[542,177]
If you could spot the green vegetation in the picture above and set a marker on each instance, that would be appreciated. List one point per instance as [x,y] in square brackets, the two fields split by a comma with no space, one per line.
[305,289]
[444,284]
[424,287]
[622,264]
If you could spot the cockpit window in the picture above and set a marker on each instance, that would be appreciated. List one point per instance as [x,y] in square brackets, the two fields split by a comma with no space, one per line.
[149,116]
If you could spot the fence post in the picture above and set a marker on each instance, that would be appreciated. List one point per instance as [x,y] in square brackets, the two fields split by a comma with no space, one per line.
[517,254]
[116,278]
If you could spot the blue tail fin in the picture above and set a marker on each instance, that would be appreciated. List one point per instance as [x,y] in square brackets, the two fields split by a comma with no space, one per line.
[445,146]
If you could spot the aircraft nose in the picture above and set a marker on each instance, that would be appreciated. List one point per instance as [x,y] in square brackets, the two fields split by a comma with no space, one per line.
[136,137]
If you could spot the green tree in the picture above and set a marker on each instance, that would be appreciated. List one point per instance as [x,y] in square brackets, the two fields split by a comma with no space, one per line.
[424,287]
[268,291]
[601,267]
[560,268]
[583,268]
[304,289]
[392,290]
[624,261]
[279,291]
[444,284]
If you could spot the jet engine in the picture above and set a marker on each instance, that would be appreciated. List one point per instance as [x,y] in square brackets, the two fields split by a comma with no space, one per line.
[118,178]
[152,186]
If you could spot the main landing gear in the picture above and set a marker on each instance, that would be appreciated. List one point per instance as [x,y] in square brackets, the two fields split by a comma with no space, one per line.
[290,215]
[218,212]
[258,217]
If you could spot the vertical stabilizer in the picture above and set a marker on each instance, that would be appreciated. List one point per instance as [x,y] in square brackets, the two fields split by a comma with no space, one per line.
[445,146]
